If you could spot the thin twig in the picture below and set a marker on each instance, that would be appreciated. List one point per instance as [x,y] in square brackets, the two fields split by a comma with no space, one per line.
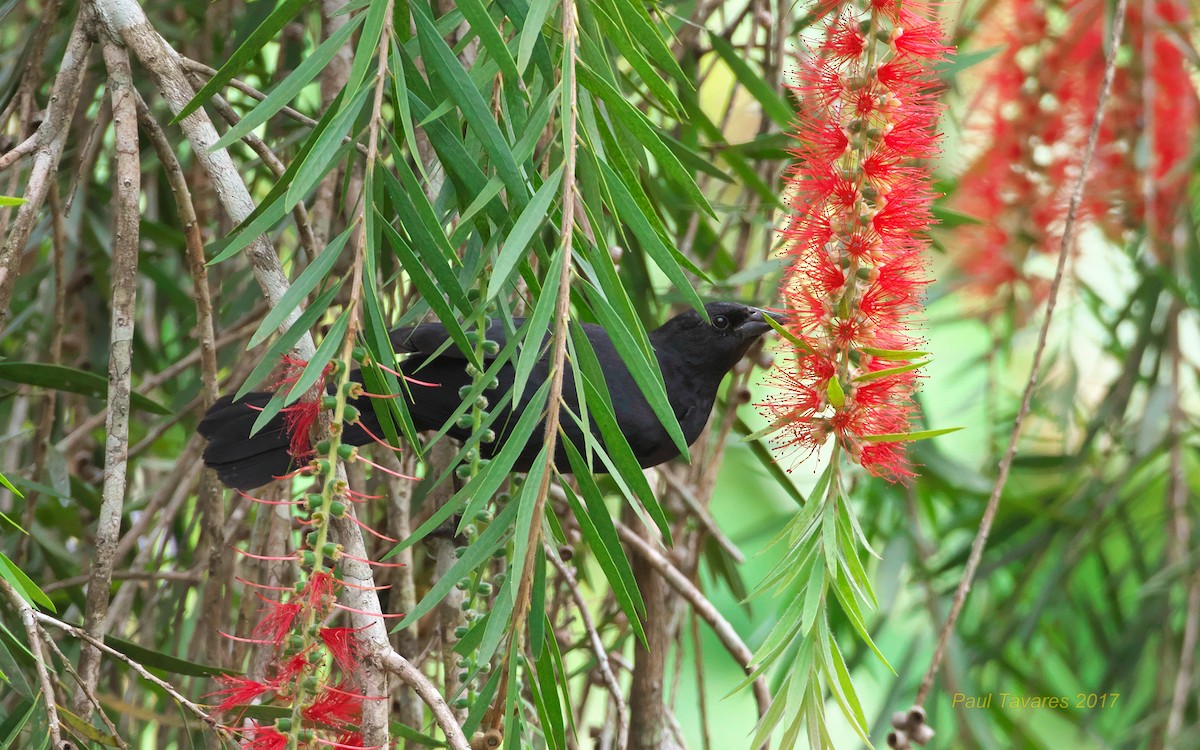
[993,505]
[127,217]
[197,67]
[411,676]
[702,606]
[562,319]
[126,20]
[28,616]
[66,444]
[52,137]
[277,167]
[602,661]
[99,645]
[97,708]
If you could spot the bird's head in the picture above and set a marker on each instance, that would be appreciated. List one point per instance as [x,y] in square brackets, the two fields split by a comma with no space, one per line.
[716,344]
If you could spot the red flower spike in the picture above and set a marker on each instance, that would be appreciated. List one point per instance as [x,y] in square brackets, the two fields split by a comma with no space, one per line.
[861,201]
[264,738]
[345,648]
[320,591]
[238,691]
[278,621]
[299,418]
[290,670]
[335,708]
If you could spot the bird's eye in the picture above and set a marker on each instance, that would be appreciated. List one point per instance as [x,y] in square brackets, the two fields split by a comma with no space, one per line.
[720,322]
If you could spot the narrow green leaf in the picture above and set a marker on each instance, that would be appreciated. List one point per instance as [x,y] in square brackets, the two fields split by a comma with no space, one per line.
[431,292]
[867,377]
[770,429]
[8,201]
[665,257]
[901,354]
[837,396]
[288,340]
[531,31]
[85,730]
[899,437]
[774,105]
[644,369]
[238,60]
[71,380]
[601,534]
[532,219]
[290,87]
[489,540]
[308,279]
[442,62]
[539,321]
[24,584]
[814,596]
[792,338]
[642,28]
[314,370]
[620,108]
[8,485]
[166,662]
[482,24]
[617,34]
[616,447]
[527,500]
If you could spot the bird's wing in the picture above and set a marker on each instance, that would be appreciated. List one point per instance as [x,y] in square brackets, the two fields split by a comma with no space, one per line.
[432,338]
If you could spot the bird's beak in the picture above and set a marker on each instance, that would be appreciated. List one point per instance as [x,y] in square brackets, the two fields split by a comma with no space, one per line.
[756,325]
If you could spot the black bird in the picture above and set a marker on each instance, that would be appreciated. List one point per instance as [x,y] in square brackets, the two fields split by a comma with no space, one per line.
[693,355]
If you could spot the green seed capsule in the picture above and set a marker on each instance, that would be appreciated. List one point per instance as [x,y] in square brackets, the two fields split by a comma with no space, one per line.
[462,471]
[347,452]
[465,422]
[350,414]
[491,347]
[461,632]
[464,392]
[359,354]
[328,402]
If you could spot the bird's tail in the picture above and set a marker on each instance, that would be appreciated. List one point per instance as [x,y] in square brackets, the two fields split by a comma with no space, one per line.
[244,461]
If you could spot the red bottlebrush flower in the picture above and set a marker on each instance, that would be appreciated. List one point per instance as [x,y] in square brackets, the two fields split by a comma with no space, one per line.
[1034,124]
[335,707]
[861,197]
[264,738]
[299,418]
[238,691]
[349,741]
[302,415]
[321,590]
[289,671]
[345,647]
[278,621]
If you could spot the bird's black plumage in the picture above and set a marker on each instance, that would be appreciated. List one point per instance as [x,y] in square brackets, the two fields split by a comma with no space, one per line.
[693,355]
